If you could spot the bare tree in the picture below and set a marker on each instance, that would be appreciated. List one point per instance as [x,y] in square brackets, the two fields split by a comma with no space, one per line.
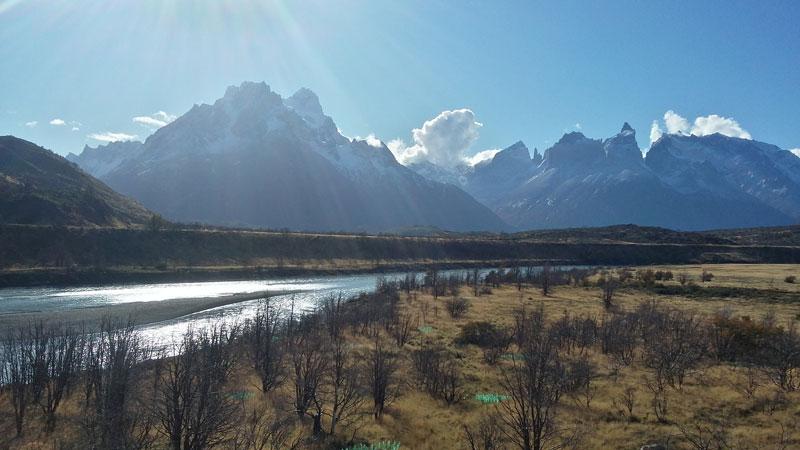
[401,329]
[534,384]
[263,336]
[487,434]
[63,361]
[16,376]
[115,416]
[309,364]
[265,430]
[343,386]
[382,366]
[545,280]
[192,407]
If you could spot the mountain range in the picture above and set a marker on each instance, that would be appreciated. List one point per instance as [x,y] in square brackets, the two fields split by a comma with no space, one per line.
[684,182]
[254,158]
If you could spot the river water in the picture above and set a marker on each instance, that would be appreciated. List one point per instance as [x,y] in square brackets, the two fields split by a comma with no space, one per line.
[309,292]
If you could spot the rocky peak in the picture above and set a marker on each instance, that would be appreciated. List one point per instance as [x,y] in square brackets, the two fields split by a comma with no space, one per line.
[515,152]
[626,127]
[623,148]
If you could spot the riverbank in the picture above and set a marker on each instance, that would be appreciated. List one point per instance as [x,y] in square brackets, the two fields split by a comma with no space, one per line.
[53,256]
[140,313]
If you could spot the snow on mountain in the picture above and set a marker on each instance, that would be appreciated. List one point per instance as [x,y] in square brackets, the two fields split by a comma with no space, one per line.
[686,182]
[254,158]
[103,159]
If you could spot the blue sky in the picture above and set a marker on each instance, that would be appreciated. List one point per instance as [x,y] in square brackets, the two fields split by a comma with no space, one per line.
[528,70]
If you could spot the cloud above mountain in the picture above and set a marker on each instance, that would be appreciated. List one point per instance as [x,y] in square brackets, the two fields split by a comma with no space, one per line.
[482,156]
[674,123]
[58,122]
[155,120]
[443,140]
[112,137]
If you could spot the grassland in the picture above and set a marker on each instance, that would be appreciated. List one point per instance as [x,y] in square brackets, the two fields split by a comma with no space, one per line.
[713,399]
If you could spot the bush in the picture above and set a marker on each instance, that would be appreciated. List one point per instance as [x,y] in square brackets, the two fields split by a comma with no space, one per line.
[706,276]
[457,307]
[482,334]
[790,279]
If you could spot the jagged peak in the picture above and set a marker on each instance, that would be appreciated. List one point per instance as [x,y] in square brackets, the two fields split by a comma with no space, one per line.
[571,137]
[627,127]
[516,150]
[305,102]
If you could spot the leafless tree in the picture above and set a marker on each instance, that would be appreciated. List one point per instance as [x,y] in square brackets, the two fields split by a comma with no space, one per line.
[608,285]
[16,376]
[457,307]
[342,388]
[545,280]
[713,436]
[63,362]
[265,430]
[309,361]
[263,335]
[438,373]
[382,366]
[192,408]
[782,358]
[487,434]
[534,384]
[115,415]
[401,329]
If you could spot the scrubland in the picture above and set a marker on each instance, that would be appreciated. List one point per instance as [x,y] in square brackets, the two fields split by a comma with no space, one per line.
[614,358]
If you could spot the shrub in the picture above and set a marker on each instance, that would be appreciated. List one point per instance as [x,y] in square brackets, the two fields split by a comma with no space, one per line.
[790,279]
[706,276]
[457,307]
[482,334]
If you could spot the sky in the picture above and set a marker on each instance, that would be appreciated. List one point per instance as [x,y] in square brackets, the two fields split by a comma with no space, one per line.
[441,80]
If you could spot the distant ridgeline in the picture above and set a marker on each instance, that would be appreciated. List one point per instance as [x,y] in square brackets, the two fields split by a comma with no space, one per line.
[89,255]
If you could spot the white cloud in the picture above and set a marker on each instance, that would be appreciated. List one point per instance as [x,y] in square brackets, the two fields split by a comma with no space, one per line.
[371,140]
[702,126]
[58,122]
[795,151]
[31,124]
[155,120]
[75,129]
[482,156]
[442,140]
[655,132]
[111,137]
[578,126]
[675,123]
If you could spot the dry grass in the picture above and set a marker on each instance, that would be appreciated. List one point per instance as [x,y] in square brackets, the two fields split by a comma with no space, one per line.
[418,421]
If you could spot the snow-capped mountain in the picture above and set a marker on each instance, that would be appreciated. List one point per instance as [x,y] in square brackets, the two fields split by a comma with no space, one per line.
[103,159]
[254,158]
[686,182]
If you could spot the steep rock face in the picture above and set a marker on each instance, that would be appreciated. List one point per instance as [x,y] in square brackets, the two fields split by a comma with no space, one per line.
[729,167]
[686,182]
[103,159]
[490,181]
[256,159]
[39,187]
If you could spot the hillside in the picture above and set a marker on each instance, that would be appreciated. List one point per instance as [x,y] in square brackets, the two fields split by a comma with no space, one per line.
[39,187]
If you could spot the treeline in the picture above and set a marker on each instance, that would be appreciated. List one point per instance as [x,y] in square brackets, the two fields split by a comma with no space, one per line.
[87,255]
